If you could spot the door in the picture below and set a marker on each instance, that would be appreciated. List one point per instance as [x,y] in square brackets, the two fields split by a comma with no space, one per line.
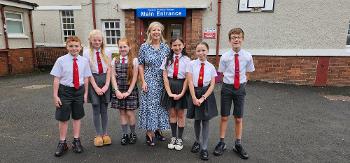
[172,28]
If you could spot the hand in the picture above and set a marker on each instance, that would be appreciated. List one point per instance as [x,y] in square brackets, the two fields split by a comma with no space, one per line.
[177,96]
[201,100]
[196,101]
[104,88]
[57,101]
[85,98]
[98,91]
[118,94]
[171,95]
[144,87]
[125,94]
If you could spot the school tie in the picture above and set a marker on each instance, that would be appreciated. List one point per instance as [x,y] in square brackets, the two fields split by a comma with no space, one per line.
[236,81]
[201,76]
[75,74]
[123,60]
[176,67]
[99,63]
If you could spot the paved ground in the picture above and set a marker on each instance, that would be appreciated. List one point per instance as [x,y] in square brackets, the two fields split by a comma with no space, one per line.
[283,123]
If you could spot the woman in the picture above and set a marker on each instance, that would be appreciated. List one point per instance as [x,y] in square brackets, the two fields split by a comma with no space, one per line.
[152,116]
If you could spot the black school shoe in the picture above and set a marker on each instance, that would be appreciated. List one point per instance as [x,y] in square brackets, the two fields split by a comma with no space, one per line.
[62,147]
[124,140]
[240,151]
[219,149]
[159,135]
[76,145]
[132,138]
[195,147]
[204,155]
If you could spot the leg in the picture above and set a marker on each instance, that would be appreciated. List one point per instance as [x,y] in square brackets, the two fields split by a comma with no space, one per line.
[63,127]
[76,128]
[124,124]
[223,127]
[104,117]
[96,118]
[238,127]
[180,122]
[205,136]
[173,122]
[76,144]
[132,122]
[197,130]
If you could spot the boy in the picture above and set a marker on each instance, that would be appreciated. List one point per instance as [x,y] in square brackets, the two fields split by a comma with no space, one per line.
[70,85]
[234,64]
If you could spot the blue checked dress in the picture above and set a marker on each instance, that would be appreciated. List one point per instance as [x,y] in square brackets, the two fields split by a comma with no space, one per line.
[152,115]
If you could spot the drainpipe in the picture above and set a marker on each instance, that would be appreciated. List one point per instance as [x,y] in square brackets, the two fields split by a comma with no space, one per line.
[4,29]
[9,65]
[93,13]
[32,37]
[218,25]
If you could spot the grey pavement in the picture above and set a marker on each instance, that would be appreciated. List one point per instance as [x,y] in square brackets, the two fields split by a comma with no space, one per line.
[282,123]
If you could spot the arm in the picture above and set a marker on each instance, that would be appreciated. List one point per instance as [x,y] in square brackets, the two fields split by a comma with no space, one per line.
[114,83]
[142,77]
[108,80]
[97,89]
[166,83]
[191,87]
[86,85]
[56,99]
[184,89]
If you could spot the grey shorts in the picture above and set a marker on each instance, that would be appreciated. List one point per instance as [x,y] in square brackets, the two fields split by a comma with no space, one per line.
[72,103]
[229,95]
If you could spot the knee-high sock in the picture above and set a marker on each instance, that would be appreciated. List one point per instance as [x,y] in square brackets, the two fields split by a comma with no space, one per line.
[173,127]
[104,117]
[197,129]
[205,134]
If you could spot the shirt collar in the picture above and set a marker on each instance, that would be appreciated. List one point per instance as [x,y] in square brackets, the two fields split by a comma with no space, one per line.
[239,52]
[179,55]
[121,57]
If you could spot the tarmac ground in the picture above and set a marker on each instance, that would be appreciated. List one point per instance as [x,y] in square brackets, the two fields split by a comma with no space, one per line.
[282,123]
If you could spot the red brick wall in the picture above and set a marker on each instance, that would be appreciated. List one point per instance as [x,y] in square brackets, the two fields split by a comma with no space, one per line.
[3,63]
[298,70]
[193,23]
[25,66]
[339,71]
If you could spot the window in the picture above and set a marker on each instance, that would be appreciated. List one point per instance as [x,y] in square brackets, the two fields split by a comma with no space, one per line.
[111,29]
[348,37]
[68,28]
[14,22]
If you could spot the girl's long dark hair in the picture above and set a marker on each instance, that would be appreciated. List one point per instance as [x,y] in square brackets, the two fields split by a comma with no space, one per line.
[169,59]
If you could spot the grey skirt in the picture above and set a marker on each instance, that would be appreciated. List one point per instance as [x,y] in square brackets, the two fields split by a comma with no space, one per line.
[95,99]
[176,86]
[207,110]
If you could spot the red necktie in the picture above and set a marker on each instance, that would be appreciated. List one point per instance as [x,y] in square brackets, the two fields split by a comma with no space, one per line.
[176,67]
[75,74]
[123,60]
[99,63]
[201,76]
[236,81]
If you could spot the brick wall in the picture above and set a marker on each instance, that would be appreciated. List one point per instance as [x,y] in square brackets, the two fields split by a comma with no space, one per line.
[193,23]
[3,63]
[299,70]
[21,61]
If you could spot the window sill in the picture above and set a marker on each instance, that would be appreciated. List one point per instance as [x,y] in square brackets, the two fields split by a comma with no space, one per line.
[22,36]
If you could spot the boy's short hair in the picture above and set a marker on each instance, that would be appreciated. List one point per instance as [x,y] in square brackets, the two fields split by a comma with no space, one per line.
[72,39]
[235,31]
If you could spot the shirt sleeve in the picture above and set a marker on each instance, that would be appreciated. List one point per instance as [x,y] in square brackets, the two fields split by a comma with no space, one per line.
[57,68]
[189,68]
[113,62]
[141,58]
[250,65]
[222,65]
[213,72]
[87,72]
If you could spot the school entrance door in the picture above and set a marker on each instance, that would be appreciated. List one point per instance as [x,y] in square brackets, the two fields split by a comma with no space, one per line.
[173,27]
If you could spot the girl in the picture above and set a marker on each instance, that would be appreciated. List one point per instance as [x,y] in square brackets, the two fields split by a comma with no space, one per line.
[201,80]
[125,97]
[99,89]
[174,70]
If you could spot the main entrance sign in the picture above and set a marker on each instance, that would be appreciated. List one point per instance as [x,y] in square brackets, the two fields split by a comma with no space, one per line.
[160,12]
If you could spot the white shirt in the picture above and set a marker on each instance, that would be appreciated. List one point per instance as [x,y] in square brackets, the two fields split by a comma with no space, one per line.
[93,61]
[227,65]
[63,69]
[183,62]
[194,68]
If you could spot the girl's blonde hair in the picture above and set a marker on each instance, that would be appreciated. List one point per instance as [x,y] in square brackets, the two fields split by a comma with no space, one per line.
[105,58]
[131,57]
[154,24]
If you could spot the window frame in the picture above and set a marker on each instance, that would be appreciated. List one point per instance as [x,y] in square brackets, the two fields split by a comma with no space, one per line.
[15,35]
[104,30]
[62,24]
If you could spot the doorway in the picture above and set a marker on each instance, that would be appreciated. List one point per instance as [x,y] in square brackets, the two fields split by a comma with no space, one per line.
[172,28]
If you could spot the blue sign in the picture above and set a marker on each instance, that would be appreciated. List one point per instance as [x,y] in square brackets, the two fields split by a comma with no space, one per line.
[160,12]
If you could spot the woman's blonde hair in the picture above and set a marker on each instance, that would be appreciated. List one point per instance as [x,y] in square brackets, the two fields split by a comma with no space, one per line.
[152,25]
[105,58]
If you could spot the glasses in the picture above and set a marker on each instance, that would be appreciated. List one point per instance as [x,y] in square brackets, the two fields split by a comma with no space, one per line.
[236,38]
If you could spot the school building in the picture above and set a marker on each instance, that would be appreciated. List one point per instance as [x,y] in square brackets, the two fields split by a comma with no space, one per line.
[303,42]
[16,37]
